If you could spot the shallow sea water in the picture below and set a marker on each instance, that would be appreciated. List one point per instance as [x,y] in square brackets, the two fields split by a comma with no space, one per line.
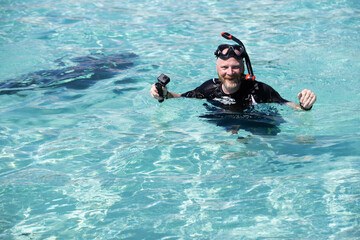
[86,153]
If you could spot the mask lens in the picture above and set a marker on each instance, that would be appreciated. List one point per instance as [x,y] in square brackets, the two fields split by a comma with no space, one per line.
[225,52]
[223,49]
[237,50]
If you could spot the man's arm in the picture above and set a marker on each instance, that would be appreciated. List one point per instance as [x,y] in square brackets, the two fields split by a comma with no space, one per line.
[200,92]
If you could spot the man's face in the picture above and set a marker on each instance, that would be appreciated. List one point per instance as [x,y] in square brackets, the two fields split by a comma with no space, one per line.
[229,72]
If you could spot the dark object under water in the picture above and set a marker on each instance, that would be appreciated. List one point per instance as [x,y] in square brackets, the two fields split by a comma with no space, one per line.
[261,119]
[88,70]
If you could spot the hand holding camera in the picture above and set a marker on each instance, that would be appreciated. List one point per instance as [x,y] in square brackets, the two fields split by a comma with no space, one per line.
[162,81]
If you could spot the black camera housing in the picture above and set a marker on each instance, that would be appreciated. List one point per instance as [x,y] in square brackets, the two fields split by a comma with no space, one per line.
[162,81]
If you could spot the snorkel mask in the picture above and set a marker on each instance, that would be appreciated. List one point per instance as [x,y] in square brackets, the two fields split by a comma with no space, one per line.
[236,51]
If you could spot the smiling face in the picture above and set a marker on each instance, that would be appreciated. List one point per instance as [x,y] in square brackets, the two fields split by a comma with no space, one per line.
[230,72]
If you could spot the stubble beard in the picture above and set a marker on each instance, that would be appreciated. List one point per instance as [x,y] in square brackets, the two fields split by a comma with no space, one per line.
[230,84]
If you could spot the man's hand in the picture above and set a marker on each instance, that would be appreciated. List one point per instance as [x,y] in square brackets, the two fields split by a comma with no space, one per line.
[307,98]
[154,93]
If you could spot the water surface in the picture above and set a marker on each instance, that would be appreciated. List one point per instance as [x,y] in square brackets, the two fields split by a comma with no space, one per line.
[86,153]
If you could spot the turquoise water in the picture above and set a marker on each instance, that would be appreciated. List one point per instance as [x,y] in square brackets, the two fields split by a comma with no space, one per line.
[86,153]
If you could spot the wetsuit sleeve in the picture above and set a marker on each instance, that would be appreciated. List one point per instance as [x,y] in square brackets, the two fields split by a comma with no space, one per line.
[200,92]
[270,95]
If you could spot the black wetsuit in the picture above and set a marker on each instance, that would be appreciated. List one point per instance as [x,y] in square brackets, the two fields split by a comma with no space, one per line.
[250,93]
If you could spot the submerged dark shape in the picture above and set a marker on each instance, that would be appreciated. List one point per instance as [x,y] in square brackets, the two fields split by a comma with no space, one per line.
[261,119]
[88,70]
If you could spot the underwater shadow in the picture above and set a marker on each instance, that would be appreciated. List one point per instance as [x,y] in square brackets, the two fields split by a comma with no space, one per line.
[87,72]
[261,119]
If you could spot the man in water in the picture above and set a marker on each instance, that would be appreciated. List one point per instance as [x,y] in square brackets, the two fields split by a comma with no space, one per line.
[231,90]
